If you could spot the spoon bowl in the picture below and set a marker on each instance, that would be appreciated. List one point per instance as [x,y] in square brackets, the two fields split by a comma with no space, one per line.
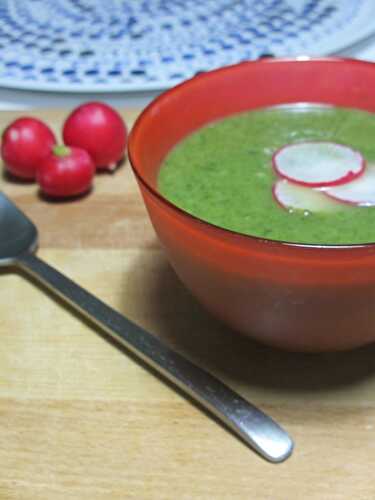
[18,234]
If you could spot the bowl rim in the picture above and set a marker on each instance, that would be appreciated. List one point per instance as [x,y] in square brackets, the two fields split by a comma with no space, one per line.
[148,110]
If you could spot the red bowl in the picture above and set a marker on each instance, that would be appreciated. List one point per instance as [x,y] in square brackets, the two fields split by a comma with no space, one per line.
[292,296]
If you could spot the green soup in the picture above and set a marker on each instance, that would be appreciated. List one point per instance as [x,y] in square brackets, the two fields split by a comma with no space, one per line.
[223,173]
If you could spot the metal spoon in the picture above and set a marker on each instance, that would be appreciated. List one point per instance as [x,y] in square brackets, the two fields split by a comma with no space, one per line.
[18,241]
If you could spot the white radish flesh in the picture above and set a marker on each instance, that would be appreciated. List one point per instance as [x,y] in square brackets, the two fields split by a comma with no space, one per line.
[360,192]
[318,164]
[293,197]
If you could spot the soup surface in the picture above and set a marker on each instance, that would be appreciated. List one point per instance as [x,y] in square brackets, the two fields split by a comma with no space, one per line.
[223,174]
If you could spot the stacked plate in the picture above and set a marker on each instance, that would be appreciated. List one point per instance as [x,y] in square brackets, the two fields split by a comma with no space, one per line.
[136,45]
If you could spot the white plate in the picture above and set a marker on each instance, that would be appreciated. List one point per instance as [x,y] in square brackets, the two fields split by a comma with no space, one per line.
[142,45]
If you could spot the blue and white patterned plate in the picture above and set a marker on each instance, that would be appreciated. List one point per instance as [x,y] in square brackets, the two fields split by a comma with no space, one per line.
[135,45]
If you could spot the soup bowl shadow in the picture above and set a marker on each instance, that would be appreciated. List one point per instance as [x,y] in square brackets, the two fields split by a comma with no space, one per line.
[292,296]
[168,310]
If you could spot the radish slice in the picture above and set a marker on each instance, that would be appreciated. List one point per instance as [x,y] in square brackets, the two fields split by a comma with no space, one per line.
[360,192]
[291,196]
[318,164]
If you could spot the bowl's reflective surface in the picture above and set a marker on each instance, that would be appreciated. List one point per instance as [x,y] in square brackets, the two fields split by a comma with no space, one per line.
[294,297]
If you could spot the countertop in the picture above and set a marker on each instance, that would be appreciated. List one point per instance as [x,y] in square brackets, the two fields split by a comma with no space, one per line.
[81,418]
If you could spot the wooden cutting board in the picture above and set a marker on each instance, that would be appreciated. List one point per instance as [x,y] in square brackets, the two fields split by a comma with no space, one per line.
[81,419]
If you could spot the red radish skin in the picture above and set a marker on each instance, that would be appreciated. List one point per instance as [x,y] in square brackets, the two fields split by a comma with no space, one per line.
[346,173]
[359,193]
[100,130]
[66,172]
[25,143]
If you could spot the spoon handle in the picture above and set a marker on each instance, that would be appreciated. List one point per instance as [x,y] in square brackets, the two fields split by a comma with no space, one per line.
[254,427]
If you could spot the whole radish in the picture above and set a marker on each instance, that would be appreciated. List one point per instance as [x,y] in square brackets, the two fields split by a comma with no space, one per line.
[100,130]
[24,145]
[66,172]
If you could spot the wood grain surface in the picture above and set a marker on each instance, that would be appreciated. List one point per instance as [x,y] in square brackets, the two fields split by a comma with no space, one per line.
[82,419]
